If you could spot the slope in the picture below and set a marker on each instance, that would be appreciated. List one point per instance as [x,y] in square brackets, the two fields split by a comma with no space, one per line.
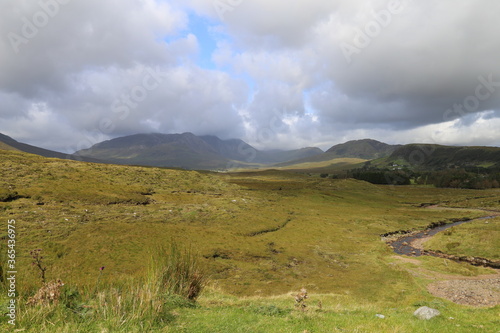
[7,143]
[366,149]
[176,150]
[435,157]
[258,234]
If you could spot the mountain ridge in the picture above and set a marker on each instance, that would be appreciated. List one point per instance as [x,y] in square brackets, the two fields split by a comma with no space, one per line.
[8,143]
[209,152]
[366,149]
[188,151]
[435,156]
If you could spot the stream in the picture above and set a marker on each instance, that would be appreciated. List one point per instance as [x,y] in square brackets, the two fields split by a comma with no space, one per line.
[403,245]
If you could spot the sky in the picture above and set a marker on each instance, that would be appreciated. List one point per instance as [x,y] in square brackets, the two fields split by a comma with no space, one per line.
[275,73]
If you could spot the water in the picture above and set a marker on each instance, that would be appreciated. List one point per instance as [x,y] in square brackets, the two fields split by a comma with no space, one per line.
[403,245]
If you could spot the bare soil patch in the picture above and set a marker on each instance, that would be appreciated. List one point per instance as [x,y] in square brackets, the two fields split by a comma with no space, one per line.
[478,291]
[473,292]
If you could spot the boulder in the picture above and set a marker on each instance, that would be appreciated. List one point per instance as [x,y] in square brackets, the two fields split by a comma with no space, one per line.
[426,313]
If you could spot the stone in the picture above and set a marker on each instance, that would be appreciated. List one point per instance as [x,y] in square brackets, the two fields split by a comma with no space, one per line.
[381,316]
[426,313]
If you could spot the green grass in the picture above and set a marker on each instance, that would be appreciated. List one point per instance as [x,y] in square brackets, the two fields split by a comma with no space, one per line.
[335,164]
[220,313]
[259,236]
[479,238]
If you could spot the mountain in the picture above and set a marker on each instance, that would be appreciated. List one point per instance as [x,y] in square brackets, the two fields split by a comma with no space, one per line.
[278,156]
[187,151]
[239,150]
[175,150]
[7,143]
[366,149]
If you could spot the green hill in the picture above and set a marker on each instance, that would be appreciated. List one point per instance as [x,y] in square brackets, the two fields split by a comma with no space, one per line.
[7,143]
[366,149]
[434,157]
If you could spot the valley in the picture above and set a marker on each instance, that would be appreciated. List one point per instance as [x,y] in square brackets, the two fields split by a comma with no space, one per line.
[260,236]
[230,166]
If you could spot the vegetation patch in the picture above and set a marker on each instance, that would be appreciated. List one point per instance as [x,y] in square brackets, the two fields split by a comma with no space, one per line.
[479,238]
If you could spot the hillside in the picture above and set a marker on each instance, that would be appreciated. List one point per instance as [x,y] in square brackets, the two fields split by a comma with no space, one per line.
[260,237]
[187,151]
[333,166]
[366,149]
[441,166]
[7,143]
[435,157]
[176,150]
[238,150]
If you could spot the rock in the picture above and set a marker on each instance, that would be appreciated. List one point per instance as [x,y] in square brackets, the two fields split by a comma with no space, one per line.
[381,316]
[426,313]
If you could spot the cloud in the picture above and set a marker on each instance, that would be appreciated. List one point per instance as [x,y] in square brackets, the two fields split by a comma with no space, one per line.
[283,74]
[92,57]
[80,36]
[412,70]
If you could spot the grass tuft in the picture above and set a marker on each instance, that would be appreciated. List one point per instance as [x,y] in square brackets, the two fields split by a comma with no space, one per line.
[177,271]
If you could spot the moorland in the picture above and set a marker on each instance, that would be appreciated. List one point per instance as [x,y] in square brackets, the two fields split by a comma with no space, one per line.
[247,243]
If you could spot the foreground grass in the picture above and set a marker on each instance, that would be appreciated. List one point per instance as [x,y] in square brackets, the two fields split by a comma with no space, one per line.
[260,236]
[115,310]
[337,314]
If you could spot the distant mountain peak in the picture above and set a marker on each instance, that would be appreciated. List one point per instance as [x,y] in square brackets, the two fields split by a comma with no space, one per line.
[365,148]
[187,150]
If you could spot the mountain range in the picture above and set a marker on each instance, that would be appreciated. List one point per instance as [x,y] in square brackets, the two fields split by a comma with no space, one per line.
[366,149]
[189,151]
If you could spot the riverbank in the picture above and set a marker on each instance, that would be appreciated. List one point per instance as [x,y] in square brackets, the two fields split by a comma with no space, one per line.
[477,291]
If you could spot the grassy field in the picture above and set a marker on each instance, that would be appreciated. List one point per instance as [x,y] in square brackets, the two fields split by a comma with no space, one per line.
[336,164]
[260,236]
[479,238]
